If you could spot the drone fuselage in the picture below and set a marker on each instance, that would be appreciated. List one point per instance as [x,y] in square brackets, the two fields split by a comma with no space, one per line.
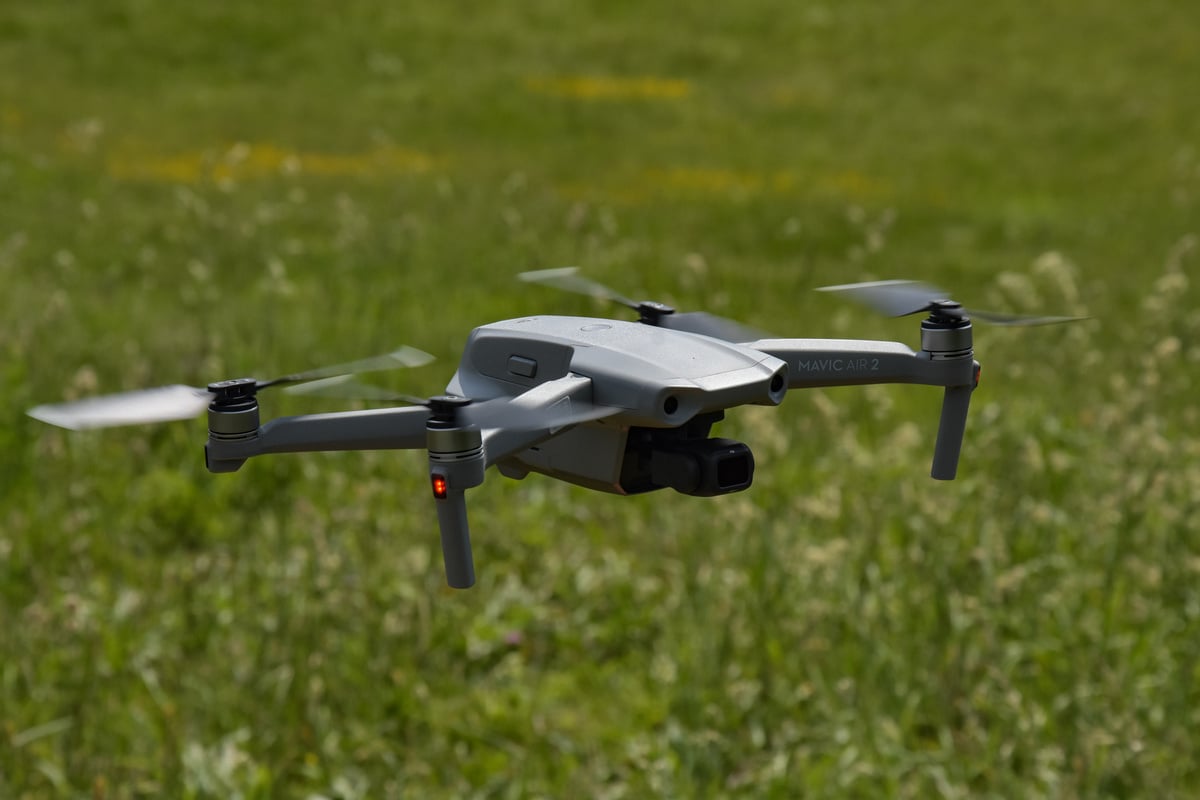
[657,377]
[665,387]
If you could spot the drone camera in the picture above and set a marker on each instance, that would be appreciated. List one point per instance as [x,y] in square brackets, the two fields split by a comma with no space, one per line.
[735,470]
[703,467]
[700,467]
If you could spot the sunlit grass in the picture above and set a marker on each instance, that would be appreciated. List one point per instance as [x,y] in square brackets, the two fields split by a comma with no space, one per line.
[245,161]
[597,87]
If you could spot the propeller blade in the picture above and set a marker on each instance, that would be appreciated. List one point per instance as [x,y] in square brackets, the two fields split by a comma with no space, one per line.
[164,404]
[569,279]
[403,357]
[701,322]
[893,298]
[498,412]
[711,325]
[344,387]
[900,298]
[178,402]
[1014,320]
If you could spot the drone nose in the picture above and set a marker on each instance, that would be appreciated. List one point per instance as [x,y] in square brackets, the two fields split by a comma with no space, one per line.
[777,388]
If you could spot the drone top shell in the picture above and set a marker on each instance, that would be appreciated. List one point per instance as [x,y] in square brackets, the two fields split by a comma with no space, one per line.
[658,377]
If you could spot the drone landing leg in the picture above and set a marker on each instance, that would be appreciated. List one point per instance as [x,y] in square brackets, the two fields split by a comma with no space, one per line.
[456,539]
[953,425]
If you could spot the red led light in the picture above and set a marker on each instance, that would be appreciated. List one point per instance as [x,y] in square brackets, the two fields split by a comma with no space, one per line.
[440,486]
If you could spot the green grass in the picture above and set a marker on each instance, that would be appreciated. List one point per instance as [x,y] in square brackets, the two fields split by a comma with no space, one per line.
[189,194]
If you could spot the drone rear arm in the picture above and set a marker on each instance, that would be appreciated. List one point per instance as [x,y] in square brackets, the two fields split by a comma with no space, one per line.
[374,429]
[852,362]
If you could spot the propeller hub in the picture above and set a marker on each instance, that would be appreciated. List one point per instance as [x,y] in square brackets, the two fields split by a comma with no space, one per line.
[946,310]
[237,390]
[651,312]
[233,412]
[443,410]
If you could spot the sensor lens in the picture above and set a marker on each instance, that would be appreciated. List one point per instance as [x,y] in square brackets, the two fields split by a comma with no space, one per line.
[734,471]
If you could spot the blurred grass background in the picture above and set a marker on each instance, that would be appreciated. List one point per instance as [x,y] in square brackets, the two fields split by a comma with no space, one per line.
[189,193]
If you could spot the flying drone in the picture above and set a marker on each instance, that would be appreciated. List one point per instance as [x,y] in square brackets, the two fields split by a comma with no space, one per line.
[612,405]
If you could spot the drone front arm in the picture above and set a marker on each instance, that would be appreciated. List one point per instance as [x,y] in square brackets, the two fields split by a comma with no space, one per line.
[852,362]
[951,428]
[502,425]
[540,413]
[374,429]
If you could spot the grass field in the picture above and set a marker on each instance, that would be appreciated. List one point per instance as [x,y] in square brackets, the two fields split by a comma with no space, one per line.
[190,193]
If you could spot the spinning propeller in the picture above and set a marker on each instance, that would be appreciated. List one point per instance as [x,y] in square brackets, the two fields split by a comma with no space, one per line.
[178,402]
[901,298]
[649,311]
[496,412]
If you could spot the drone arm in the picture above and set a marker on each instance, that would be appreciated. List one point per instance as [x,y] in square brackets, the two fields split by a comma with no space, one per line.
[953,425]
[456,539]
[853,362]
[542,412]
[849,362]
[375,429]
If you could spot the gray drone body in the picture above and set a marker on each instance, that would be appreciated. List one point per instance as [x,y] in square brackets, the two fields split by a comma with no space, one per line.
[620,407]
[661,390]
[645,378]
